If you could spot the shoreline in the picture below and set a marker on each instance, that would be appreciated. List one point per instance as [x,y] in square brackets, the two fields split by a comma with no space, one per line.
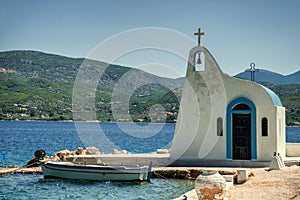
[186,173]
[264,184]
[99,121]
[89,121]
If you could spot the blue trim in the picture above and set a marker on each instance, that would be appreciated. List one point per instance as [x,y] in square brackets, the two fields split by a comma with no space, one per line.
[229,125]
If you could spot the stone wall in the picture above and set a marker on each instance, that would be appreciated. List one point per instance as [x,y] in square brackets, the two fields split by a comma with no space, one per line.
[293,149]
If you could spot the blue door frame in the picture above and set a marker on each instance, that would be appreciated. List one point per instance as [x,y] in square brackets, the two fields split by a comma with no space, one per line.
[231,105]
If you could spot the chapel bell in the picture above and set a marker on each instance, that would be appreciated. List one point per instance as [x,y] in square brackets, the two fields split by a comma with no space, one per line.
[199,58]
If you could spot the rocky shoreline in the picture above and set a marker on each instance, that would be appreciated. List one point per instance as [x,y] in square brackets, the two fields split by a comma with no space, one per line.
[258,183]
[275,184]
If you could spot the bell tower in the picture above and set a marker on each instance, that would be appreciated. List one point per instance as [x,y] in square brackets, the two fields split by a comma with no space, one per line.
[201,105]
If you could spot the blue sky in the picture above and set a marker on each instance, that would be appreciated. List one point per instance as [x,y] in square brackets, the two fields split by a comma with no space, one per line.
[237,32]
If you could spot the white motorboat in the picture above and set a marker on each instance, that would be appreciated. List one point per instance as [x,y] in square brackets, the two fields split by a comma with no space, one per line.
[69,170]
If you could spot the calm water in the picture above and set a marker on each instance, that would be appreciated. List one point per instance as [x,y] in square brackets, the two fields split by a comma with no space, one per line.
[293,134]
[35,187]
[19,140]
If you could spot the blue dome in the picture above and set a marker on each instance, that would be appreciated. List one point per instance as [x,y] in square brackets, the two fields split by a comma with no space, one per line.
[274,97]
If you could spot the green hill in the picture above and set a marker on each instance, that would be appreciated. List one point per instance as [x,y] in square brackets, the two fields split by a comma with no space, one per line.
[290,97]
[39,86]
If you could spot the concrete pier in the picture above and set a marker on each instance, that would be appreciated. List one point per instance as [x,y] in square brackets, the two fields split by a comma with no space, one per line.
[162,164]
[158,160]
[161,160]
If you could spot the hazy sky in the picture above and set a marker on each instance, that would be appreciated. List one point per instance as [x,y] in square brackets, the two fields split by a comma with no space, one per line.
[237,32]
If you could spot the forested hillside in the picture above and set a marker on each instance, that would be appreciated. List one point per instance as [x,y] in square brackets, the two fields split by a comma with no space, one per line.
[39,86]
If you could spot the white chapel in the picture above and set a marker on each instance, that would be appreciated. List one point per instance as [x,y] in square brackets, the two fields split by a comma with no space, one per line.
[225,119]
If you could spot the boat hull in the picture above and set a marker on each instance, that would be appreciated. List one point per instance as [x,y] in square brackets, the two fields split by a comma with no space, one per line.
[67,170]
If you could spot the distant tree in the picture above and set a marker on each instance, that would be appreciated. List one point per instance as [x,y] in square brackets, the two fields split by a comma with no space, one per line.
[32,113]
[146,119]
[51,114]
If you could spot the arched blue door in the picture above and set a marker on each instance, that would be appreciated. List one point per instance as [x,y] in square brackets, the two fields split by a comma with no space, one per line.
[241,130]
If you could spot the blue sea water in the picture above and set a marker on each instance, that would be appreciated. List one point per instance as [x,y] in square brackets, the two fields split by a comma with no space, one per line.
[293,134]
[19,140]
[18,186]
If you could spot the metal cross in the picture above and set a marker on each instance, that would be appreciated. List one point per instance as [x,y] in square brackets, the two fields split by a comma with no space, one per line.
[199,34]
[252,70]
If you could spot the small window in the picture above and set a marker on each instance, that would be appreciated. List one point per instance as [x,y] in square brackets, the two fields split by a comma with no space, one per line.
[264,127]
[219,126]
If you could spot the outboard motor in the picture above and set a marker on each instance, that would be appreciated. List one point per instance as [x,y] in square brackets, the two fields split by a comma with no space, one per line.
[40,154]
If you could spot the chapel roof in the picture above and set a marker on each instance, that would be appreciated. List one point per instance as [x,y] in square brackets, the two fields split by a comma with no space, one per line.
[276,100]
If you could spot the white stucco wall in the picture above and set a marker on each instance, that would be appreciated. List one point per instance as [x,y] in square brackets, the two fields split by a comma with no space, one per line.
[293,149]
[280,130]
[266,146]
[196,135]
[205,97]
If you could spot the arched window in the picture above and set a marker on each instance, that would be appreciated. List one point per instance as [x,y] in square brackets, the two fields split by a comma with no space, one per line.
[264,127]
[219,126]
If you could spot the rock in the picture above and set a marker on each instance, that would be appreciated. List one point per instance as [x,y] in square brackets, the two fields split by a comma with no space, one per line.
[229,178]
[124,151]
[92,151]
[182,174]
[54,157]
[210,185]
[172,173]
[194,173]
[80,151]
[13,166]
[242,176]
[61,155]
[116,151]
[222,172]
[162,151]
